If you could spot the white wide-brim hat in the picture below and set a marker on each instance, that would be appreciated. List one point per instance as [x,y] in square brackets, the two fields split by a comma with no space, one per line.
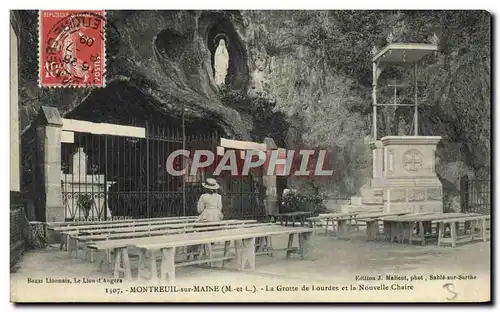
[211,184]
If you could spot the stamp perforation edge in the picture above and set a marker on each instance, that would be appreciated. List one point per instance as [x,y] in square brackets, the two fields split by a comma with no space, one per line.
[103,60]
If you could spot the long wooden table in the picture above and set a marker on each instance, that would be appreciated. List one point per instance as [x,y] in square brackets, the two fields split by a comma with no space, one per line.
[372,221]
[343,219]
[401,228]
[244,243]
[477,222]
[142,231]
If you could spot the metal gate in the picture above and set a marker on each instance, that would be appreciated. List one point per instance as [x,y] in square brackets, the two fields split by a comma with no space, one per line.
[105,176]
[475,195]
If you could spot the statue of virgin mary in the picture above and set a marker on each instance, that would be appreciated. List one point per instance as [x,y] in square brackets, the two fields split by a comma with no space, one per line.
[221,63]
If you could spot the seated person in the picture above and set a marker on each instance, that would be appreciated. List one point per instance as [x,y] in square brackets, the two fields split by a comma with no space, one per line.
[210,203]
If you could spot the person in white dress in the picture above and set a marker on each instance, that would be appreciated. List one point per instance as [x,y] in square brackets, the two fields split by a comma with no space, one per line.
[210,203]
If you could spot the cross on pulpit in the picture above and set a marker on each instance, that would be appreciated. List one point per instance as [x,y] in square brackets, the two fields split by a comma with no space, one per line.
[412,160]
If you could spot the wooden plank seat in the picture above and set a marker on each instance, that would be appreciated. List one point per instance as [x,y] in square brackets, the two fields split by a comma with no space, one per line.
[71,223]
[477,222]
[76,229]
[372,221]
[110,246]
[343,222]
[116,225]
[293,217]
[402,228]
[83,237]
[244,240]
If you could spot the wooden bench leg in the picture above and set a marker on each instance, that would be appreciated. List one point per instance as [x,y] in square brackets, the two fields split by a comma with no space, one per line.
[141,269]
[453,230]
[269,246]
[387,230]
[372,229]
[117,261]
[468,226]
[472,229]
[152,266]
[77,246]
[122,263]
[88,253]
[404,230]
[126,264]
[68,241]
[238,246]
[168,264]
[289,249]
[62,244]
[209,253]
[342,228]
[483,229]
[105,260]
[69,245]
[247,254]
[422,232]
[393,231]
[227,245]
[258,243]
[305,244]
[440,226]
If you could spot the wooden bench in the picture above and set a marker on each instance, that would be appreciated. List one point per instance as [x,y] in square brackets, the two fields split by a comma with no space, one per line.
[372,222]
[244,244]
[70,223]
[343,219]
[300,216]
[121,224]
[64,230]
[112,246]
[75,238]
[476,222]
[402,227]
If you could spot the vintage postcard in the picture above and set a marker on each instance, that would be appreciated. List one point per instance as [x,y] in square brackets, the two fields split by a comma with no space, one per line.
[250,156]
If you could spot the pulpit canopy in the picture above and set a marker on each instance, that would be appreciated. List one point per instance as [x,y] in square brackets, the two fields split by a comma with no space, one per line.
[404,52]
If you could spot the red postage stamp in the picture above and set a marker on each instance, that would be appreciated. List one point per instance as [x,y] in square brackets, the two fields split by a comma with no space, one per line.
[72,48]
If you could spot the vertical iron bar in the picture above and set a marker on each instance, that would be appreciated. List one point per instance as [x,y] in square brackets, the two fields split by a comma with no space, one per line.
[147,170]
[374,98]
[105,171]
[416,99]
[184,177]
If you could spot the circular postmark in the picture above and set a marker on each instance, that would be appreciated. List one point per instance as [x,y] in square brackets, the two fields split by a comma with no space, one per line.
[72,48]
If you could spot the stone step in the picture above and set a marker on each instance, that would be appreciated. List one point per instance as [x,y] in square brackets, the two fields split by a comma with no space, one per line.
[362,208]
[373,200]
[356,200]
[372,192]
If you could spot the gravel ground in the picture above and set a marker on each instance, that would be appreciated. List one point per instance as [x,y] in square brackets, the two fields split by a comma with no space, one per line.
[337,270]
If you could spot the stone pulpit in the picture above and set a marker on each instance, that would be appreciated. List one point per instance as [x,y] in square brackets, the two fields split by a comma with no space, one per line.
[81,189]
[403,177]
[410,180]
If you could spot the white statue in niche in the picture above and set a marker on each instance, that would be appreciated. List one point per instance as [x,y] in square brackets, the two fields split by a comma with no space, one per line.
[221,63]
